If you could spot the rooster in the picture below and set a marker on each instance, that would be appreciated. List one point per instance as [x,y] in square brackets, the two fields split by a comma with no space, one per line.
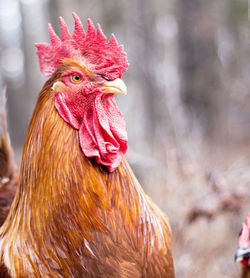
[79,211]
[243,252]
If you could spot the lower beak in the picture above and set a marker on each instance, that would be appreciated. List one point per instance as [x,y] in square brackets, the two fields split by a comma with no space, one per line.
[242,254]
[116,86]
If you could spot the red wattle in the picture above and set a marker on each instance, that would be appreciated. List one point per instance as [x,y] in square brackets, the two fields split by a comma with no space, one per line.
[102,130]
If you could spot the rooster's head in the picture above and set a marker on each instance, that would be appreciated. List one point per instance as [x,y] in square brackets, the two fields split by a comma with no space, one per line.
[87,70]
[243,253]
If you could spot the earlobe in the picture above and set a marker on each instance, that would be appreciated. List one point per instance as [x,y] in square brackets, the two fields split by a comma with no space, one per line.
[59,87]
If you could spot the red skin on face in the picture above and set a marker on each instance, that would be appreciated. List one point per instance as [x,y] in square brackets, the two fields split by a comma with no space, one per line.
[102,130]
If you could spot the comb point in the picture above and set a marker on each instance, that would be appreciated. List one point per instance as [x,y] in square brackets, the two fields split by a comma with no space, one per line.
[91,29]
[52,35]
[65,35]
[112,40]
[79,32]
[99,33]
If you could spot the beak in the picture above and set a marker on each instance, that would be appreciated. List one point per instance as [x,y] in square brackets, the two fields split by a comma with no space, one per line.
[116,86]
[242,254]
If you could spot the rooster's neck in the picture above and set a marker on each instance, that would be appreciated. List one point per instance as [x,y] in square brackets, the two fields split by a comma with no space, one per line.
[56,179]
[63,197]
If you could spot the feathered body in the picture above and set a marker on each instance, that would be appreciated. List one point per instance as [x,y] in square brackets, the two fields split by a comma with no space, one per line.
[80,216]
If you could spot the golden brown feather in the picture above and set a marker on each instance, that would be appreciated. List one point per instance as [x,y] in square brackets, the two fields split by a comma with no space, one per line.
[245,272]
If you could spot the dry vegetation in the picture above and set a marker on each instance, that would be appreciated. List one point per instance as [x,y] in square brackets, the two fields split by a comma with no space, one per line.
[206,195]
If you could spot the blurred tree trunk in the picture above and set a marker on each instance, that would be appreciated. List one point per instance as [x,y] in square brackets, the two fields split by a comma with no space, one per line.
[147,46]
[198,62]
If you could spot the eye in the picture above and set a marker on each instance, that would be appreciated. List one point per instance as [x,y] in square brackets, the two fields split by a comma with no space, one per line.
[76,78]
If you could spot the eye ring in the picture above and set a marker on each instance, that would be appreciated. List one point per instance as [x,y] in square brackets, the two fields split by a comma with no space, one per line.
[76,78]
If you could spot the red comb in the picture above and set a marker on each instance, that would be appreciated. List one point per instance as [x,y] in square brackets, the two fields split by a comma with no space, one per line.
[107,58]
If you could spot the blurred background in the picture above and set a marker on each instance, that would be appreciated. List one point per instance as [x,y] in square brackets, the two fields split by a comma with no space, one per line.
[187,109]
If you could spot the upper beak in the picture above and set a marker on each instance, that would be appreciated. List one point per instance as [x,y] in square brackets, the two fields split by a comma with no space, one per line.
[242,254]
[116,86]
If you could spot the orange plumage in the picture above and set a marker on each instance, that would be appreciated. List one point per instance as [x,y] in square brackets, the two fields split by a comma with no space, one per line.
[71,217]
